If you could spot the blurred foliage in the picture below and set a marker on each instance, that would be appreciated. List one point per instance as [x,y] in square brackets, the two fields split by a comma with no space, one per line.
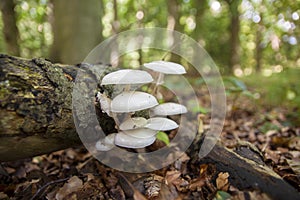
[278,89]
[34,26]
[269,36]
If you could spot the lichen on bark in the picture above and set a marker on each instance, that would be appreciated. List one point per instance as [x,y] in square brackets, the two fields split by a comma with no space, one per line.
[36,107]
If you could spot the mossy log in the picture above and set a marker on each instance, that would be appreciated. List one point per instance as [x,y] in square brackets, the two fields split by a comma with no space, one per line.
[35,107]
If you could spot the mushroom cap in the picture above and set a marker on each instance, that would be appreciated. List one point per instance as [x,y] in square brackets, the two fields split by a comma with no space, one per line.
[107,143]
[132,101]
[124,140]
[161,124]
[140,133]
[169,109]
[165,67]
[127,76]
[133,123]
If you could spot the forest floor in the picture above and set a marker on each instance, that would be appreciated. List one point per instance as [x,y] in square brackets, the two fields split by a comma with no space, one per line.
[75,174]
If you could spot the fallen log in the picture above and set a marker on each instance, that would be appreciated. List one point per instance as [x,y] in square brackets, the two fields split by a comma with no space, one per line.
[246,167]
[35,107]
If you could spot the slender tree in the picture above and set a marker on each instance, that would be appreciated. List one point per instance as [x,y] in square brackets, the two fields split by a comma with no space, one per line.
[10,30]
[173,24]
[259,48]
[197,34]
[234,58]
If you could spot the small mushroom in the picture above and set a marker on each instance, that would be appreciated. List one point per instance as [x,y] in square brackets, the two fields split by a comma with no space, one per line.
[168,109]
[132,101]
[107,143]
[133,123]
[165,67]
[141,133]
[127,77]
[124,140]
[161,124]
[104,103]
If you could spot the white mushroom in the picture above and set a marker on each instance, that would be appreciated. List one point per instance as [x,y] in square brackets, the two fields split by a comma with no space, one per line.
[165,67]
[161,124]
[126,77]
[168,109]
[124,140]
[132,101]
[107,143]
[133,123]
[141,133]
[104,103]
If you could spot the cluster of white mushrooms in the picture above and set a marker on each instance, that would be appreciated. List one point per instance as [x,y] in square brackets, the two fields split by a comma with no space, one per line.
[138,132]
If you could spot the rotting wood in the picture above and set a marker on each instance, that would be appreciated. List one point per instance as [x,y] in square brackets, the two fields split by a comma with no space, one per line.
[246,167]
[36,107]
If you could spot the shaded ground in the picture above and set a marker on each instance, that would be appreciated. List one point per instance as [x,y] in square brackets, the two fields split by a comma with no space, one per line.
[74,174]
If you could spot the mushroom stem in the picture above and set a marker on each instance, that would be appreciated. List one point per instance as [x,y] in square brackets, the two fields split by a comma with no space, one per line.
[127,88]
[158,82]
[114,116]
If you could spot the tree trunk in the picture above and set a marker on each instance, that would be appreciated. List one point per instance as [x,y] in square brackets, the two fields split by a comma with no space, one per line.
[200,6]
[173,24]
[234,58]
[77,29]
[259,48]
[10,30]
[35,107]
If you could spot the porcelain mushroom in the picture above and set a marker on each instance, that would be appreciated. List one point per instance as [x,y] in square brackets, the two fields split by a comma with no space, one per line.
[132,101]
[141,133]
[121,77]
[168,109]
[161,124]
[165,67]
[107,143]
[127,76]
[133,123]
[124,140]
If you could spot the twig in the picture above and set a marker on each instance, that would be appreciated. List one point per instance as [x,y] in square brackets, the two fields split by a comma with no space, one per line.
[40,190]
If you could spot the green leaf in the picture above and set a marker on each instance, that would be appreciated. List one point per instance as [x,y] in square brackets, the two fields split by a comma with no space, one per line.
[162,136]
[221,195]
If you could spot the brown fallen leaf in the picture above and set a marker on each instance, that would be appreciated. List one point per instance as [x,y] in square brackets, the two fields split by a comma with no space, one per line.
[167,192]
[222,181]
[197,184]
[72,185]
[294,143]
[171,176]
[129,189]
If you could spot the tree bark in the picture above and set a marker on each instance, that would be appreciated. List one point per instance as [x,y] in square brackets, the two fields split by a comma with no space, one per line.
[36,107]
[10,30]
[200,6]
[77,29]
[259,48]
[173,24]
[234,58]
[246,168]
